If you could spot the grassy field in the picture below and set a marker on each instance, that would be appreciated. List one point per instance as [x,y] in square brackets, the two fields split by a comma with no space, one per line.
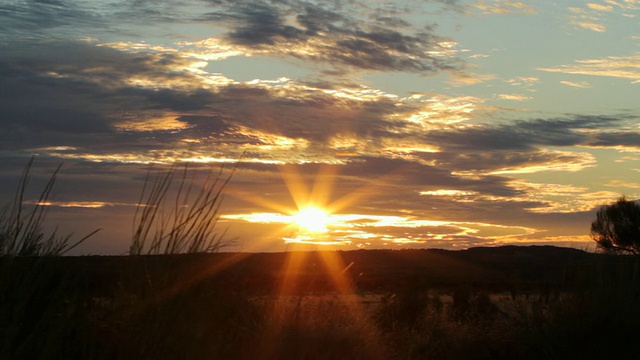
[481,303]
[487,303]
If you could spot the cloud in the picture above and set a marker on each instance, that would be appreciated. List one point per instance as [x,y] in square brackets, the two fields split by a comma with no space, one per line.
[154,109]
[140,103]
[149,104]
[588,18]
[37,17]
[534,198]
[624,67]
[622,183]
[622,140]
[502,7]
[97,103]
[369,230]
[95,80]
[425,168]
[600,7]
[589,25]
[467,163]
[261,24]
[520,135]
[513,97]
[523,146]
[459,78]
[356,35]
[593,16]
[526,82]
[321,35]
[579,84]
[552,161]
[78,204]
[627,159]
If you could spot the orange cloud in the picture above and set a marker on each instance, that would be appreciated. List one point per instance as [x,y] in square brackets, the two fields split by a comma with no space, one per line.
[502,7]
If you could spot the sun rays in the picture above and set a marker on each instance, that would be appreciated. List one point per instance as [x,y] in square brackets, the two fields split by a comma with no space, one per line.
[312,220]
[315,213]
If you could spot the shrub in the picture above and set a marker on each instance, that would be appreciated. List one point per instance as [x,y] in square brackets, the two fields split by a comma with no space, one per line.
[617,227]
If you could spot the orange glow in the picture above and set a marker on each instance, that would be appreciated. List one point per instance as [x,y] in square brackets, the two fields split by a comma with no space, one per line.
[312,219]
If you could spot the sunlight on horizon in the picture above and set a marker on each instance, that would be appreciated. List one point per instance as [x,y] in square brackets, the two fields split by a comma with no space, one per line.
[314,226]
[312,220]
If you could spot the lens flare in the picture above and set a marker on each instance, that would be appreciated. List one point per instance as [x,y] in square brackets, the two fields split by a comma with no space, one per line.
[312,220]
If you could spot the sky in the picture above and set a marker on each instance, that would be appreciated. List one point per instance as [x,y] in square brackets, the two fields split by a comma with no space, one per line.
[409,124]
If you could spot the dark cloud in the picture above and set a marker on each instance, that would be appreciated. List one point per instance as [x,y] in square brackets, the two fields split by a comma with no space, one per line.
[326,33]
[616,139]
[100,65]
[38,16]
[525,135]
[33,102]
[303,113]
[73,94]
[83,89]
[392,22]
[315,20]
[260,24]
[64,19]
[489,161]
[74,99]
[210,124]
[323,35]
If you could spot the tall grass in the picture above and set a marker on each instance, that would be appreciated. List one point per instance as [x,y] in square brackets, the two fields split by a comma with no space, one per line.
[182,224]
[21,227]
[40,309]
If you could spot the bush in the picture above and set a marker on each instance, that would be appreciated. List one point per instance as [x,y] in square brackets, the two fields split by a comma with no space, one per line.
[617,227]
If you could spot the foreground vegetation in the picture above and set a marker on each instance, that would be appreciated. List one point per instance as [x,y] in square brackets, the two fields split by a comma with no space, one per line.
[225,306]
[482,303]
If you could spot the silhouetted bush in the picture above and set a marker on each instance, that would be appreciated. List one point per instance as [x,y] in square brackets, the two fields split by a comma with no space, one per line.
[617,227]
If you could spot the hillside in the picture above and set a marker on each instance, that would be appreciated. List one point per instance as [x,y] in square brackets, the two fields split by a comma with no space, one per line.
[494,269]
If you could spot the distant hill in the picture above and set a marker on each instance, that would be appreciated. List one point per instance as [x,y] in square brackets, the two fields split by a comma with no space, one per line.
[492,268]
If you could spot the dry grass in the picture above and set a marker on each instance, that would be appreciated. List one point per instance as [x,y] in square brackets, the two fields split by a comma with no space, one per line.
[21,226]
[182,224]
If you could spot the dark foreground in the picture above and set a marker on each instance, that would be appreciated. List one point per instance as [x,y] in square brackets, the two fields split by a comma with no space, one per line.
[481,303]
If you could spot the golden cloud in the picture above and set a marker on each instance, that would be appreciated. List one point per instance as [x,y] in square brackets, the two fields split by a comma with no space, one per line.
[502,7]
[622,183]
[579,162]
[579,84]
[459,78]
[624,67]
[513,97]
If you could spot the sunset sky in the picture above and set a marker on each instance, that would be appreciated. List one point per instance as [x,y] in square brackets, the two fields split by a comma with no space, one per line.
[413,124]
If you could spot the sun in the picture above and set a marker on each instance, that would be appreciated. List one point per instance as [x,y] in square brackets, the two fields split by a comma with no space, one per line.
[312,219]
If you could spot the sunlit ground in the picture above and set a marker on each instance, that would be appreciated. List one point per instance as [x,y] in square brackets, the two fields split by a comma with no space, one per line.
[332,265]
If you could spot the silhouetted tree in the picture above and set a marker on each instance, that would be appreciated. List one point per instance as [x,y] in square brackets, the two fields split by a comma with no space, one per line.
[617,227]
